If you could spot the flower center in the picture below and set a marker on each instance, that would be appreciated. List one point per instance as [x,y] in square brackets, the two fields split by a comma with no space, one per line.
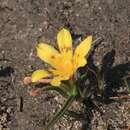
[67,68]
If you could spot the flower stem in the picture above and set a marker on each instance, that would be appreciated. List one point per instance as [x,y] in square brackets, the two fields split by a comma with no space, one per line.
[61,112]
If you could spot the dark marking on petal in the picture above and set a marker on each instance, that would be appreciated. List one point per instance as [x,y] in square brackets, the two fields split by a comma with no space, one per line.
[78,55]
[53,57]
[66,49]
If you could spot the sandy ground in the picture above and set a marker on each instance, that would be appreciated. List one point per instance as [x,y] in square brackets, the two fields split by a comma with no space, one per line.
[23,23]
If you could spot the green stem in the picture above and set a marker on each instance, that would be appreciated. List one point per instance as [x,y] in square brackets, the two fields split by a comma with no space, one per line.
[61,112]
[101,86]
[126,83]
[65,89]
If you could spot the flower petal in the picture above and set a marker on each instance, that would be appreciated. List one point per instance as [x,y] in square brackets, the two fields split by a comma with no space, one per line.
[58,77]
[56,81]
[64,41]
[81,51]
[39,74]
[79,62]
[48,54]
[84,47]
[64,73]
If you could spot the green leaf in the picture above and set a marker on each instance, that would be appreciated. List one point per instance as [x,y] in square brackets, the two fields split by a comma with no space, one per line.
[60,113]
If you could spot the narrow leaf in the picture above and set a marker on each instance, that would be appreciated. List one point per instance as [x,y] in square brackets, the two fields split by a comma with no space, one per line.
[61,112]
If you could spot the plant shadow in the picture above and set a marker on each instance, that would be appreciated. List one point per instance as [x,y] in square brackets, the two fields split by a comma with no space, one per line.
[113,76]
[6,71]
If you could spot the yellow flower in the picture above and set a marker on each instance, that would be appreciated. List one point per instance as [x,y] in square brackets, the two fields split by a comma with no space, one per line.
[64,61]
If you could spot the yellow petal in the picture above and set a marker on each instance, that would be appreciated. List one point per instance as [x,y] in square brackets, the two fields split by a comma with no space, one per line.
[48,54]
[79,62]
[84,47]
[66,68]
[64,41]
[39,74]
[82,62]
[56,81]
[54,72]
[81,51]
[60,73]
[58,77]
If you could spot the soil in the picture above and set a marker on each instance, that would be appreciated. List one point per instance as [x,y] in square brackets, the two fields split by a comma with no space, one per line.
[24,23]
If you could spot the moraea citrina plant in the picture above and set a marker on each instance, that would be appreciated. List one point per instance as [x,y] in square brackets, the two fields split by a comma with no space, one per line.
[64,63]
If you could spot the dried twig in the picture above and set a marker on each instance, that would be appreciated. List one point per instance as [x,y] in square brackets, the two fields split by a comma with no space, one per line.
[121,97]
